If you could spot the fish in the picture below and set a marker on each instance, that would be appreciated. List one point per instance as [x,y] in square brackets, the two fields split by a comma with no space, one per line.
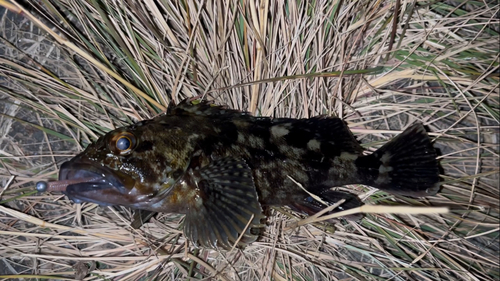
[222,167]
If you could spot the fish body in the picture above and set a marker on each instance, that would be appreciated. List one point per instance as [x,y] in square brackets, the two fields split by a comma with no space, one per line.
[220,166]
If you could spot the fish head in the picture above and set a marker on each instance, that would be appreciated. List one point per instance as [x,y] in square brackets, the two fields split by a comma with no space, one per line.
[133,166]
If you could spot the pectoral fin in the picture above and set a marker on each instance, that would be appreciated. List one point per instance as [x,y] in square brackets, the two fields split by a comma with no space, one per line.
[225,203]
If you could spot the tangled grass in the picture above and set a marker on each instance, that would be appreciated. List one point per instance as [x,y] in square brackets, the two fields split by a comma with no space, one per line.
[71,70]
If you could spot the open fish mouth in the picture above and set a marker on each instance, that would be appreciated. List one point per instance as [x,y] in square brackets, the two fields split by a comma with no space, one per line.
[87,182]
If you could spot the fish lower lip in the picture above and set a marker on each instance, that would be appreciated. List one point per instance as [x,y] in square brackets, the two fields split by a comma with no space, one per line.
[93,192]
[84,175]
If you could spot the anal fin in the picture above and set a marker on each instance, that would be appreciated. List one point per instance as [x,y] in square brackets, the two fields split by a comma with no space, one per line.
[310,206]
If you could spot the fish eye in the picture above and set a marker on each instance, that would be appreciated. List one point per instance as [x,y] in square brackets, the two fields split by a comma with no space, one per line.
[122,143]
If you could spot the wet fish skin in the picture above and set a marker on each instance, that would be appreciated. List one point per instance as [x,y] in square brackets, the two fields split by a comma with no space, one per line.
[219,166]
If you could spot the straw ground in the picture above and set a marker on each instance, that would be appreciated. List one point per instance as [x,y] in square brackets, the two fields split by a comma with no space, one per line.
[71,70]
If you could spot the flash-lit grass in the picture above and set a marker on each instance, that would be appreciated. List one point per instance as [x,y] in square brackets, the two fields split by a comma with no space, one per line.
[71,70]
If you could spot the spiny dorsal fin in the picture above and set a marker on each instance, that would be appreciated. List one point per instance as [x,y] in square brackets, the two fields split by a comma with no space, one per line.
[335,129]
[223,206]
[201,108]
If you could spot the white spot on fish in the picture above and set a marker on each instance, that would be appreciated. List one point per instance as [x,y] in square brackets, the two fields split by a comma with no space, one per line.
[383,169]
[279,131]
[342,168]
[241,137]
[348,156]
[297,152]
[314,144]
[256,141]
[385,158]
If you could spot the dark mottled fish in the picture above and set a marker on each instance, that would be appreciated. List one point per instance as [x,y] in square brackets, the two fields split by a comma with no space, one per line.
[219,166]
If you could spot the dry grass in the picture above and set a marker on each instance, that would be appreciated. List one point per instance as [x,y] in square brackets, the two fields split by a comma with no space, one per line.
[71,70]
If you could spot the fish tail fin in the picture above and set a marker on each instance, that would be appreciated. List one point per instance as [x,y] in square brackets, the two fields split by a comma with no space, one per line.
[406,165]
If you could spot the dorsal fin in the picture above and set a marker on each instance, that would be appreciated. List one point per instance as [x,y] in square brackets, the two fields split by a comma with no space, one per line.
[202,108]
[331,132]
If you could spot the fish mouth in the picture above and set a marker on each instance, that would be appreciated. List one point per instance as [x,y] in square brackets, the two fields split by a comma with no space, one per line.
[84,181]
